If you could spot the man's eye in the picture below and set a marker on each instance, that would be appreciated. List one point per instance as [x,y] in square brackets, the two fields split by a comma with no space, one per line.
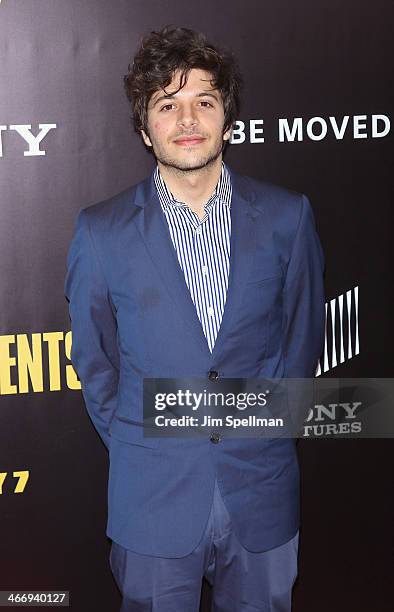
[205,103]
[167,107]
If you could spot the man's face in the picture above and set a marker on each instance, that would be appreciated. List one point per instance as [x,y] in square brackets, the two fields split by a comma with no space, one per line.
[186,128]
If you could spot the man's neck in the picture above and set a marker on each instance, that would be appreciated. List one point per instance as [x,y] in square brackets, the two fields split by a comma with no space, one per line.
[193,187]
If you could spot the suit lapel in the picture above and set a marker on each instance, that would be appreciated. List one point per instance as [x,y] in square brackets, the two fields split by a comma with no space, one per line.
[242,250]
[153,228]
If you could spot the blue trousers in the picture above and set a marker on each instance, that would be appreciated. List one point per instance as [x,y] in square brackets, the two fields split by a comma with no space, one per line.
[242,581]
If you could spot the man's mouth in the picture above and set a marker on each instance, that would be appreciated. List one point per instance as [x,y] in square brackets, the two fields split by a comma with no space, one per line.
[189,140]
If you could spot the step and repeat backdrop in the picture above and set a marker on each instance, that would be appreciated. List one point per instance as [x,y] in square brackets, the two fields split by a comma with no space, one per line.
[317,117]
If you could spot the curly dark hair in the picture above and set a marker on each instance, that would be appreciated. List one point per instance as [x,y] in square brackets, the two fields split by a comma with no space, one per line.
[163,53]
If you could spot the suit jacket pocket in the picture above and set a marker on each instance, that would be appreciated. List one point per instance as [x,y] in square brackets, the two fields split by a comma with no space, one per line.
[261,273]
[132,432]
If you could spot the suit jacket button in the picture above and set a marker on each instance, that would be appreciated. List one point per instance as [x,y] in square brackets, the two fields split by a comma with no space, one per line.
[215,437]
[213,375]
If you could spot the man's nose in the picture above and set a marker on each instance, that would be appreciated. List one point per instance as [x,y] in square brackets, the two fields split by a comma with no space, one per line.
[187,116]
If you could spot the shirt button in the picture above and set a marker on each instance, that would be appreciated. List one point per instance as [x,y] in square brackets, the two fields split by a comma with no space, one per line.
[213,375]
[204,269]
[210,311]
[198,230]
[215,437]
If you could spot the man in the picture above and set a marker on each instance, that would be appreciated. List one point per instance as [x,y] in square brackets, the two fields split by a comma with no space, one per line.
[195,272]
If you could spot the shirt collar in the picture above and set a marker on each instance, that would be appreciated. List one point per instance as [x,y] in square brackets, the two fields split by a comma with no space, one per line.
[222,191]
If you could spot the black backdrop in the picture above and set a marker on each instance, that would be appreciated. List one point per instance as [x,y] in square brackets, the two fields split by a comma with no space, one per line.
[61,73]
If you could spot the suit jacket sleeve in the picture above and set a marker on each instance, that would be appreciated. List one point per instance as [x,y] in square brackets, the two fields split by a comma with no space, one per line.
[304,301]
[94,351]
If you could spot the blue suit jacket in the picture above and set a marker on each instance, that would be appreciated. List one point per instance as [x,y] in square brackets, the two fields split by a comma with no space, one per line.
[132,317]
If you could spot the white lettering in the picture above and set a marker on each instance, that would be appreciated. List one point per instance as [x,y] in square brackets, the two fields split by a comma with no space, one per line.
[350,411]
[309,128]
[33,141]
[386,129]
[285,133]
[238,133]
[358,126]
[254,130]
[339,133]
[2,128]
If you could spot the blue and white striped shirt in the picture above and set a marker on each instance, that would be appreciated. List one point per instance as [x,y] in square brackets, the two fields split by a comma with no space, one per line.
[203,249]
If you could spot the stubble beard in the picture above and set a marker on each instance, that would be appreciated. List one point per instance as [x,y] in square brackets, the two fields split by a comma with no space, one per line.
[185,166]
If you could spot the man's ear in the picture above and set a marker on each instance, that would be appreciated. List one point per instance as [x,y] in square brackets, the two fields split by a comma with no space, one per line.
[146,138]
[227,135]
